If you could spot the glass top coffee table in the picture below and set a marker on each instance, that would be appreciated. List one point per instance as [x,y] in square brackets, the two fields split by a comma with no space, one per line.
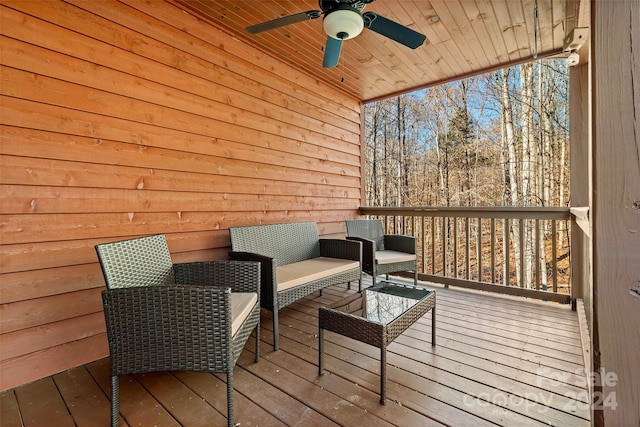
[377,316]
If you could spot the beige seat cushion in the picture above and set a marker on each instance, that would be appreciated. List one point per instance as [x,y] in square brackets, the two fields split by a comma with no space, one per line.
[388,257]
[241,305]
[298,273]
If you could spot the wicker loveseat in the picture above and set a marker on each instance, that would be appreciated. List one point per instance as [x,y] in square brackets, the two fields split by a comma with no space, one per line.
[295,262]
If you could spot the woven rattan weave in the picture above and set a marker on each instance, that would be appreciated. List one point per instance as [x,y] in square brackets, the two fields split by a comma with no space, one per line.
[162,316]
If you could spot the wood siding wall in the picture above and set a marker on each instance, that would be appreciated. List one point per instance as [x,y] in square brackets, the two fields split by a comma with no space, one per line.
[121,119]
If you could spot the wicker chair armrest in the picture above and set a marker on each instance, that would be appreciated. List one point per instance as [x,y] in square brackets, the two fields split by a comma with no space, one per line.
[368,251]
[400,243]
[341,248]
[240,276]
[268,284]
[157,328]
[249,256]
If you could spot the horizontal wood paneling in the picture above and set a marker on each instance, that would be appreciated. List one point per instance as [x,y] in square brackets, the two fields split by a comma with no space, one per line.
[42,282]
[52,359]
[44,311]
[139,154]
[30,340]
[122,119]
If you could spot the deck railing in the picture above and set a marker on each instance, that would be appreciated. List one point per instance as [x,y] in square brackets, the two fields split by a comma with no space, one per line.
[517,251]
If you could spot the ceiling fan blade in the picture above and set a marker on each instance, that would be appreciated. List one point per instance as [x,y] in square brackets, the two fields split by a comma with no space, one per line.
[332,52]
[393,30]
[285,20]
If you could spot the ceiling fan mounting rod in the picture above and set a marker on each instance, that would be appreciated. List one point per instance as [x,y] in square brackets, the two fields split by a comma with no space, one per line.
[329,5]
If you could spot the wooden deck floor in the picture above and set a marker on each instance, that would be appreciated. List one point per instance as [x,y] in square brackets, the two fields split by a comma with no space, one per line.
[498,361]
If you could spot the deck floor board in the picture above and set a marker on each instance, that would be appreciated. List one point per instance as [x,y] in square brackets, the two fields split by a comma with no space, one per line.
[499,361]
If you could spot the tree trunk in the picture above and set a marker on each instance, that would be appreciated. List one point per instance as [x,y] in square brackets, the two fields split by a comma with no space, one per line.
[510,144]
[528,167]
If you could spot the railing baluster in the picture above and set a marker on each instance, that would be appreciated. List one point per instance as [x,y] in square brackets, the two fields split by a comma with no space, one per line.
[554,250]
[467,233]
[456,271]
[445,270]
[506,251]
[522,248]
[537,260]
[424,244]
[493,250]
[479,248]
[433,245]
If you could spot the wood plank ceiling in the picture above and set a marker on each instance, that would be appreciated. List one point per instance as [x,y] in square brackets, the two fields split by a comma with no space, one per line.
[464,37]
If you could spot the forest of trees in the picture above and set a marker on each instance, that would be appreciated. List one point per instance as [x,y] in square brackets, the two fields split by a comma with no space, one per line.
[499,139]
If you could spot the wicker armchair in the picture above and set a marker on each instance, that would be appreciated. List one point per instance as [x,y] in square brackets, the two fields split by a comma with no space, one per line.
[383,253]
[162,316]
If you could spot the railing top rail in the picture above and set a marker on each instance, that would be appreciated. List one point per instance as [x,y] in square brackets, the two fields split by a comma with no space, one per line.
[471,212]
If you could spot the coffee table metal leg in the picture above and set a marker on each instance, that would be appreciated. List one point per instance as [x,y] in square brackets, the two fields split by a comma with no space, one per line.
[383,374]
[433,325]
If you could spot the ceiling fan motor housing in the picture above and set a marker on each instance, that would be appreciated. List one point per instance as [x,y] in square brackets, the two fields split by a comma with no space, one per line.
[343,23]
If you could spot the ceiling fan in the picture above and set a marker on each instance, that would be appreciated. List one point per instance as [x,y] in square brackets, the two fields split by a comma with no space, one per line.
[343,20]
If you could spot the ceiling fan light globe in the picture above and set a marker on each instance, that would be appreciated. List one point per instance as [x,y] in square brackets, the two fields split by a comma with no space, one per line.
[343,24]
